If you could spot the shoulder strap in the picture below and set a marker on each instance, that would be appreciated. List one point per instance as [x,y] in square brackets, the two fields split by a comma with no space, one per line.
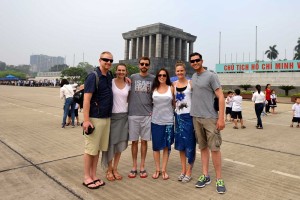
[97,79]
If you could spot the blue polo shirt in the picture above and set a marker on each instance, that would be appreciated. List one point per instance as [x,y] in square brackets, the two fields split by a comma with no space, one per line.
[102,100]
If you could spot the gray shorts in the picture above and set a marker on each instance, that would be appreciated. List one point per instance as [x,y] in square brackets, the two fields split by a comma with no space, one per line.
[139,126]
[207,134]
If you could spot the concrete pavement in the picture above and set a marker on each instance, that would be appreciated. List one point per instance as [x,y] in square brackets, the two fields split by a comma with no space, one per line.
[40,160]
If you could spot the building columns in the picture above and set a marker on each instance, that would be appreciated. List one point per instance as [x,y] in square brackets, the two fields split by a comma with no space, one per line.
[158,45]
[166,47]
[126,52]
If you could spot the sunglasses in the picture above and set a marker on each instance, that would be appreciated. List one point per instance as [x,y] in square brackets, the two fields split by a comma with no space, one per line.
[196,60]
[144,64]
[162,75]
[107,60]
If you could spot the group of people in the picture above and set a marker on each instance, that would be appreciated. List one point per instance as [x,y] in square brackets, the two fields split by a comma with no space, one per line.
[233,103]
[141,108]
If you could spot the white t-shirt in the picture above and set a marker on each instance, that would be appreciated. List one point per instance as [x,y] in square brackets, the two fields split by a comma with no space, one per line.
[120,104]
[296,109]
[258,98]
[237,103]
[228,102]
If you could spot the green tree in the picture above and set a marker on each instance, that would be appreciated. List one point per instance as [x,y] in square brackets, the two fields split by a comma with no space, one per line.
[14,73]
[132,69]
[286,88]
[74,74]
[272,53]
[58,68]
[297,55]
[86,66]
[245,86]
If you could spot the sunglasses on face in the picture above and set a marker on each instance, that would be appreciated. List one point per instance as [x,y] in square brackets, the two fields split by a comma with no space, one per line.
[144,64]
[107,60]
[196,60]
[162,75]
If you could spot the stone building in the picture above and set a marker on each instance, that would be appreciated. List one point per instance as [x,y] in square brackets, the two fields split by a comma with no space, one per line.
[163,44]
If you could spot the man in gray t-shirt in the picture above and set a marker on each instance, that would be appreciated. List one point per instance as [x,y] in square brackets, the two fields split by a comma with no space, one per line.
[208,122]
[139,111]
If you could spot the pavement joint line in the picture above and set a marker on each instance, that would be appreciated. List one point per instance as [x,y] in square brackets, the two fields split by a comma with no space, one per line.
[270,123]
[262,148]
[44,172]
[32,102]
[6,170]
[285,174]
[238,162]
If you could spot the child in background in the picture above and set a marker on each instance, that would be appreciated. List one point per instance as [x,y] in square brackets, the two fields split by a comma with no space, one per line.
[237,109]
[296,112]
[228,103]
[76,115]
[273,101]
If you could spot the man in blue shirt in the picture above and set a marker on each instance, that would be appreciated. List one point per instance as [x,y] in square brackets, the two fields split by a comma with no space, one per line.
[97,108]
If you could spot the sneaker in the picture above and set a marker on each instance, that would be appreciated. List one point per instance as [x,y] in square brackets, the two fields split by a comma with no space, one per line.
[180,177]
[186,179]
[202,181]
[220,186]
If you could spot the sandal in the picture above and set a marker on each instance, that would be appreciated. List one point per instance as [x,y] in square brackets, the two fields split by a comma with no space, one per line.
[235,127]
[78,124]
[156,175]
[143,174]
[132,174]
[90,187]
[102,183]
[180,177]
[110,176]
[117,175]
[165,176]
[68,124]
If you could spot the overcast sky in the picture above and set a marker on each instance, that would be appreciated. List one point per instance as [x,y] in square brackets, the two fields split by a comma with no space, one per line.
[68,27]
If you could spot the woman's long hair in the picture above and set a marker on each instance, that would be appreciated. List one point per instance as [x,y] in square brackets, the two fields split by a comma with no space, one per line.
[64,82]
[156,82]
[258,87]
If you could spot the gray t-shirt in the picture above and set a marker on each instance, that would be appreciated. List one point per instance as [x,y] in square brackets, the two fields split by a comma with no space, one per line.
[140,96]
[204,86]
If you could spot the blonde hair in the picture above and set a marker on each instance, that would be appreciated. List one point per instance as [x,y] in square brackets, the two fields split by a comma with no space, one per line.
[180,63]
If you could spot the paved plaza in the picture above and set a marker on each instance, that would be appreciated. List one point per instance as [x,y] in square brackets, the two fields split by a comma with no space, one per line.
[40,160]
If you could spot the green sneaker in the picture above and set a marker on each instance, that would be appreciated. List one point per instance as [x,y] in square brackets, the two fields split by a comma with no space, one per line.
[202,181]
[220,186]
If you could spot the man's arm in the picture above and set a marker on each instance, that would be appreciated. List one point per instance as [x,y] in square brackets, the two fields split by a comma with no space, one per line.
[86,111]
[220,122]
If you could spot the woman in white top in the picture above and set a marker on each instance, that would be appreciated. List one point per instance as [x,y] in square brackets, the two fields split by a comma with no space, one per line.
[67,92]
[118,137]
[185,141]
[162,123]
[259,99]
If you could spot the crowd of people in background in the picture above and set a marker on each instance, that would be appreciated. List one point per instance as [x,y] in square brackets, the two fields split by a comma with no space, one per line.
[33,83]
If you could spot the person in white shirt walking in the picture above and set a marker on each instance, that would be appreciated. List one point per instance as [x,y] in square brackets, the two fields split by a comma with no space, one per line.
[259,99]
[67,92]
[237,109]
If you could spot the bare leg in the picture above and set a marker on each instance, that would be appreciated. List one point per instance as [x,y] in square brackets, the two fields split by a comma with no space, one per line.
[235,122]
[134,152]
[165,159]
[88,162]
[182,161]
[115,167]
[205,160]
[216,158]
[143,154]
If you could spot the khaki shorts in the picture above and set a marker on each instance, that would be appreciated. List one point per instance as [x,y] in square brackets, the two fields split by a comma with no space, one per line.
[139,126]
[99,139]
[206,133]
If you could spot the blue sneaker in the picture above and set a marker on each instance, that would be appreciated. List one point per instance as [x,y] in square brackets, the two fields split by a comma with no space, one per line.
[202,181]
[220,186]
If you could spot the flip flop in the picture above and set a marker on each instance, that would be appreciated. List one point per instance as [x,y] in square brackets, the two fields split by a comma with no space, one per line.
[92,188]
[110,176]
[143,174]
[165,176]
[117,175]
[156,175]
[102,183]
[132,174]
